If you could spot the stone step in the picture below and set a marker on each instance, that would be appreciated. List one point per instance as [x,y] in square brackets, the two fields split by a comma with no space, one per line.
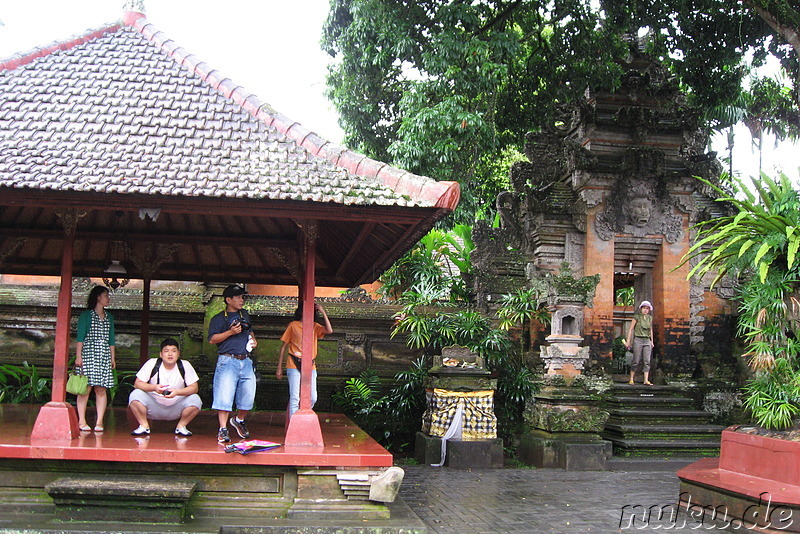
[627,429]
[666,447]
[645,417]
[636,389]
[650,399]
[665,403]
[658,421]
[698,439]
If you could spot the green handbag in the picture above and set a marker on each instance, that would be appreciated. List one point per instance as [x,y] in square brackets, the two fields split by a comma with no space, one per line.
[78,383]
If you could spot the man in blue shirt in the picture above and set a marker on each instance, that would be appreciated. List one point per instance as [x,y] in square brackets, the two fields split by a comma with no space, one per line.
[234,377]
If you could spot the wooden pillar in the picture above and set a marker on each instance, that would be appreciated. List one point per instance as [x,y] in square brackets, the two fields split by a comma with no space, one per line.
[57,420]
[144,336]
[304,427]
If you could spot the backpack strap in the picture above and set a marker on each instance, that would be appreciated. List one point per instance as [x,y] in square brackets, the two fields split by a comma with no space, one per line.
[157,366]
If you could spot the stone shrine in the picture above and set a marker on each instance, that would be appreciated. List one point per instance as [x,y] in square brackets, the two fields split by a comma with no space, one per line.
[459,426]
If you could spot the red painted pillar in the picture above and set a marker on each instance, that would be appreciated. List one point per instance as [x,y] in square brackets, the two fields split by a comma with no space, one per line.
[304,427]
[144,337]
[57,420]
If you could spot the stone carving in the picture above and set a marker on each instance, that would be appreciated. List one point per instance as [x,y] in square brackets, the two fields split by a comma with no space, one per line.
[639,212]
[81,284]
[568,321]
[356,294]
[636,210]
[355,340]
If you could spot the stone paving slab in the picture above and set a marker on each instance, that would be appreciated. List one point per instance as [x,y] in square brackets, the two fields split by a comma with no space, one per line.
[483,501]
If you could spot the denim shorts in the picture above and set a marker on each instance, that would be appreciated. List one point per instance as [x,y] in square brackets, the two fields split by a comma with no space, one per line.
[234,380]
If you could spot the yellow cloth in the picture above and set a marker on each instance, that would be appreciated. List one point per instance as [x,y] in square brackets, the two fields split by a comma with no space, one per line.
[478,419]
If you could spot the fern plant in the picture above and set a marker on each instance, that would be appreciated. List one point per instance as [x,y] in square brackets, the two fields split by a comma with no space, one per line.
[773,397]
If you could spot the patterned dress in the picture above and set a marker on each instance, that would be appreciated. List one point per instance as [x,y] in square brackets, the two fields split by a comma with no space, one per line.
[96,353]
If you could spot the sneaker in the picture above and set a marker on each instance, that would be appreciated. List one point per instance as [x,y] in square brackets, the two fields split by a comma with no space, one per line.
[182,431]
[222,435]
[141,431]
[240,427]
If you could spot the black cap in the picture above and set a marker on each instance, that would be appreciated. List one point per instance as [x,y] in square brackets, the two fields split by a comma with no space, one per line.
[233,291]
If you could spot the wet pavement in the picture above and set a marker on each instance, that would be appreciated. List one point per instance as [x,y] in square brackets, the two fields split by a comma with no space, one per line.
[478,501]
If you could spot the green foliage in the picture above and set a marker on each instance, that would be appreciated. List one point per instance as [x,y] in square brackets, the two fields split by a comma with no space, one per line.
[123,385]
[23,384]
[625,297]
[759,244]
[516,383]
[434,266]
[773,397]
[566,284]
[391,419]
[763,234]
[524,305]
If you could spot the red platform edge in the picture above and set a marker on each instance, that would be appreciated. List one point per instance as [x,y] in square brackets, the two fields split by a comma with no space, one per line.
[750,465]
[345,444]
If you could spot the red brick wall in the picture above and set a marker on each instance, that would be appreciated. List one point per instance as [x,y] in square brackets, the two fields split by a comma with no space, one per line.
[671,303]
[598,325]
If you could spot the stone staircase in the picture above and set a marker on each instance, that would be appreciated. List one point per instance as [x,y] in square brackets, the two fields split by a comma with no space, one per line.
[658,421]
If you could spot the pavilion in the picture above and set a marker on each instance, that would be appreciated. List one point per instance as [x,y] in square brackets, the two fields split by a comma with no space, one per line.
[120,146]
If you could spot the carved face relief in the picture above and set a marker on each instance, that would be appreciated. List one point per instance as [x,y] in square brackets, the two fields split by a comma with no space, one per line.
[640,211]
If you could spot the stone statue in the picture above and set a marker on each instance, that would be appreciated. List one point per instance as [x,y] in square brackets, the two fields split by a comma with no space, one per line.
[640,211]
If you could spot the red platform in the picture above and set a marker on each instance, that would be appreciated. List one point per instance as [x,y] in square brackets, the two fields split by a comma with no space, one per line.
[754,484]
[346,445]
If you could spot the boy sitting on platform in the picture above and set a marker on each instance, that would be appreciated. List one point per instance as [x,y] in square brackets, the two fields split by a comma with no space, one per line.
[166,390]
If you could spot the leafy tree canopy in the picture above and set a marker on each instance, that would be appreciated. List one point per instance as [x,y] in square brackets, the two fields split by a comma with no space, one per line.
[446,88]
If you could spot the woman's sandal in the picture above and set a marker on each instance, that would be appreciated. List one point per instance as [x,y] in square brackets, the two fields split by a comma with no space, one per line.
[630,382]
[99,428]
[648,383]
[84,428]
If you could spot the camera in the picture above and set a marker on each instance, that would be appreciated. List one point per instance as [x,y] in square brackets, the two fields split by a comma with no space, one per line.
[166,392]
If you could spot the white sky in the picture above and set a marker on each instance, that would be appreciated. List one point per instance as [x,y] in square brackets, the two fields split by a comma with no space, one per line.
[271,47]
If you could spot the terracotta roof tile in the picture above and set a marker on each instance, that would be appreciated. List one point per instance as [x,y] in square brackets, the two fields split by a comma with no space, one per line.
[124,109]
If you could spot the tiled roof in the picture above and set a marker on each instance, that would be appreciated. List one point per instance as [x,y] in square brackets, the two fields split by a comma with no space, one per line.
[124,110]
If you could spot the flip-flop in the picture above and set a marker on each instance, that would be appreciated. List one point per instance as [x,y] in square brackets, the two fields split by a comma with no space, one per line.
[631,382]
[647,383]
[99,428]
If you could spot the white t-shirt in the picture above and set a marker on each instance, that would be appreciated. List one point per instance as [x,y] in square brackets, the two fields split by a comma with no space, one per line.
[172,378]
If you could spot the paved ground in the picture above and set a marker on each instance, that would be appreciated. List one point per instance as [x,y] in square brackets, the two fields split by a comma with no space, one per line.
[478,501]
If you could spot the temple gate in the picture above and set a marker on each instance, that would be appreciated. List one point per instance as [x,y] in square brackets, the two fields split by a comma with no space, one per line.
[610,189]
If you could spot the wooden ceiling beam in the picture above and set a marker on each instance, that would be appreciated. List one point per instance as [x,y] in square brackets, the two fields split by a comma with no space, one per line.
[133,237]
[285,209]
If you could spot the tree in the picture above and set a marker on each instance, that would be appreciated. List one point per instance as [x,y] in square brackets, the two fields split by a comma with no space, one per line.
[445,87]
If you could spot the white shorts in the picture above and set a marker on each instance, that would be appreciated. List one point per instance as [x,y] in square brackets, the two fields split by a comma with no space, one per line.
[160,412]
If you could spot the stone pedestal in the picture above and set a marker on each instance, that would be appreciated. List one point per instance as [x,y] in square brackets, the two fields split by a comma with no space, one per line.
[567,431]
[486,453]
[564,355]
[459,422]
